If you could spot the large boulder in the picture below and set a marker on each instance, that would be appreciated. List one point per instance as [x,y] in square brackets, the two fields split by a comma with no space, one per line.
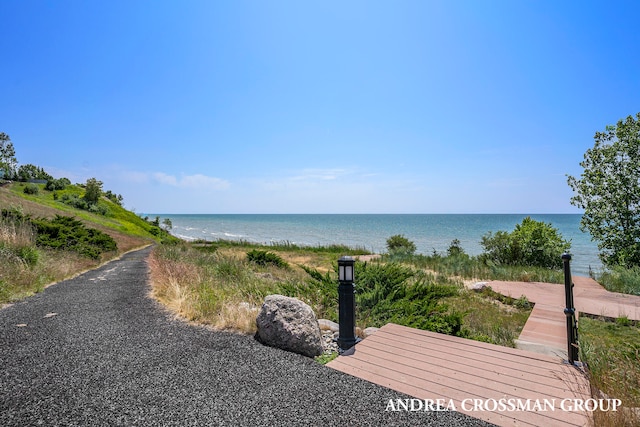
[289,324]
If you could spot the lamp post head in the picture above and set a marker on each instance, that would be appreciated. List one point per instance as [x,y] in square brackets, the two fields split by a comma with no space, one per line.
[345,269]
[566,256]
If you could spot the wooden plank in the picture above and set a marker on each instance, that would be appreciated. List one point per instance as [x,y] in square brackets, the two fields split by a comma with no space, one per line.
[459,356]
[449,389]
[433,366]
[473,348]
[545,326]
[432,391]
[479,369]
[468,379]
[583,282]
[544,369]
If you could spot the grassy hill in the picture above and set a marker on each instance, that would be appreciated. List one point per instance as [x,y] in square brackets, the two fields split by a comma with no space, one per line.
[27,266]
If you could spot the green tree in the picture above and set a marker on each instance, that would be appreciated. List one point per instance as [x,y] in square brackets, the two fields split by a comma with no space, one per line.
[531,243]
[455,249]
[93,191]
[29,171]
[57,184]
[115,198]
[31,189]
[400,245]
[609,192]
[8,160]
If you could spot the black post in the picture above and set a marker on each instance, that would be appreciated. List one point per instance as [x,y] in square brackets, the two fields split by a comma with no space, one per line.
[570,312]
[346,303]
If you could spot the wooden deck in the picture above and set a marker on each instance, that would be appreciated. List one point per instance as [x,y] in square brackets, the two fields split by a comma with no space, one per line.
[589,297]
[428,365]
[546,329]
[433,366]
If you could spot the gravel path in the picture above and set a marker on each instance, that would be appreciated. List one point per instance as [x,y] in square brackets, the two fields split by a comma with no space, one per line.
[96,350]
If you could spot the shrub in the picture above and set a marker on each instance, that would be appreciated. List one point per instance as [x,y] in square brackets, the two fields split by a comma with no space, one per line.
[80,203]
[67,233]
[29,255]
[455,249]
[522,303]
[74,201]
[115,198]
[57,184]
[261,257]
[531,243]
[399,245]
[98,209]
[31,189]
[385,294]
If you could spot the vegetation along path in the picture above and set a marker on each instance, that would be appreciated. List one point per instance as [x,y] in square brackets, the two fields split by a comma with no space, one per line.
[96,350]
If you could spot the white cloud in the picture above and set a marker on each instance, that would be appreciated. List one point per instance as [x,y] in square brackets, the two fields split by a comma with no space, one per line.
[135,177]
[203,181]
[197,181]
[74,177]
[320,174]
[163,178]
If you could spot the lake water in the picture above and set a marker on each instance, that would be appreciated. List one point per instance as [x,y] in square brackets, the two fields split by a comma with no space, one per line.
[430,232]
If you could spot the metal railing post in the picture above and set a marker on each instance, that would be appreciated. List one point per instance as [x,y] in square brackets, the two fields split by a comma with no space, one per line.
[570,312]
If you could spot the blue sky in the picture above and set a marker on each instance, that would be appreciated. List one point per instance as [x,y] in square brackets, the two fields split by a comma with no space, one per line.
[318,107]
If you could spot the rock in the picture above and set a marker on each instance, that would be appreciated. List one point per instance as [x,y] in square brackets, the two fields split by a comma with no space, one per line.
[289,324]
[328,325]
[369,331]
[479,286]
[247,307]
[329,344]
[267,276]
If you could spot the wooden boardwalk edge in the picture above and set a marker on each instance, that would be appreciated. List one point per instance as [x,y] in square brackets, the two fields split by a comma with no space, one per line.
[427,365]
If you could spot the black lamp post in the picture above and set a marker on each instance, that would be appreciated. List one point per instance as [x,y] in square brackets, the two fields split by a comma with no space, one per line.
[346,303]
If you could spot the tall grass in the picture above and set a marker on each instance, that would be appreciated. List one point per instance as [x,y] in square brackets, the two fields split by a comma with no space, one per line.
[16,233]
[611,351]
[621,279]
[212,288]
[286,245]
[24,268]
[217,284]
[474,267]
[17,256]
[491,319]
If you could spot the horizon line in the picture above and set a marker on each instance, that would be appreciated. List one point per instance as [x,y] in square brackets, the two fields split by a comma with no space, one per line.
[369,213]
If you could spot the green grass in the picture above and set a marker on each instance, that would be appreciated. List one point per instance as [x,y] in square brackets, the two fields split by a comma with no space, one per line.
[205,281]
[474,267]
[118,218]
[27,266]
[325,358]
[620,279]
[611,350]
[491,317]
